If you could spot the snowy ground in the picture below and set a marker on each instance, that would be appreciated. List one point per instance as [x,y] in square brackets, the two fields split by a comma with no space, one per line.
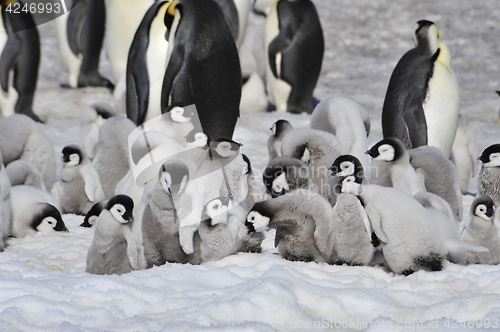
[44,286]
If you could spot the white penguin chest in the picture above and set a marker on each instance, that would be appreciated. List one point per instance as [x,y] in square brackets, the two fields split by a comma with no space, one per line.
[7,99]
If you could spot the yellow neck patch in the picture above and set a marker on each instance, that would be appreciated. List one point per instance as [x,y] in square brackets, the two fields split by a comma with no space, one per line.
[171,7]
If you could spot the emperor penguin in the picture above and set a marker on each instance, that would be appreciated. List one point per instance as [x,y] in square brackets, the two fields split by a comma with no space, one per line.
[402,228]
[303,223]
[81,186]
[421,106]
[231,15]
[489,174]
[481,228]
[318,149]
[279,129]
[82,34]
[352,230]
[250,185]
[21,138]
[439,176]
[206,76]
[391,167]
[178,123]
[344,166]
[463,154]
[294,47]
[286,174]
[93,214]
[91,119]
[19,62]
[23,172]
[34,210]
[345,118]
[243,7]
[112,159]
[146,65]
[115,248]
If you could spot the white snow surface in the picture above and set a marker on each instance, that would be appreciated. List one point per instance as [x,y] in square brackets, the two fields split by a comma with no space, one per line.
[43,283]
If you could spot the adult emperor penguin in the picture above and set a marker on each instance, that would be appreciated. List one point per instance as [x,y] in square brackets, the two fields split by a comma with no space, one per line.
[231,15]
[19,62]
[203,66]
[439,176]
[294,53]
[146,65]
[489,175]
[91,119]
[421,106]
[279,129]
[23,172]
[391,167]
[481,229]
[84,33]
[81,186]
[285,174]
[24,139]
[34,210]
[303,223]
[342,167]
[115,248]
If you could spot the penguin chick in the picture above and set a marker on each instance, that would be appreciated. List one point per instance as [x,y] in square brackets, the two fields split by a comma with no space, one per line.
[285,174]
[91,119]
[93,214]
[481,228]
[439,176]
[318,149]
[81,186]
[489,175]
[250,185]
[5,204]
[464,153]
[23,172]
[115,249]
[391,167]
[279,129]
[178,123]
[344,166]
[402,229]
[303,223]
[34,210]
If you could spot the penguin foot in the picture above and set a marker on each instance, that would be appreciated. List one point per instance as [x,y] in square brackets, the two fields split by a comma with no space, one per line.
[471,194]
[270,107]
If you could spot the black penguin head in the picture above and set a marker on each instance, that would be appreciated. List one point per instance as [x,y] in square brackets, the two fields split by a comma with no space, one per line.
[48,218]
[491,156]
[197,138]
[426,36]
[274,178]
[350,185]
[346,165]
[248,165]
[224,148]
[104,110]
[169,15]
[280,128]
[173,176]
[215,211]
[258,218]
[121,208]
[388,149]
[93,214]
[72,155]
[483,207]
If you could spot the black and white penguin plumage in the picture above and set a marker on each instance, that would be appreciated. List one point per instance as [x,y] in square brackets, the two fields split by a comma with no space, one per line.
[21,138]
[250,186]
[81,185]
[294,53]
[91,119]
[303,223]
[5,205]
[84,33]
[23,172]
[391,167]
[279,129]
[439,176]
[178,123]
[285,174]
[93,214]
[112,159]
[34,210]
[342,167]
[146,65]
[231,16]
[203,66]
[481,228]
[19,62]
[115,248]
[318,149]
[421,106]
[488,181]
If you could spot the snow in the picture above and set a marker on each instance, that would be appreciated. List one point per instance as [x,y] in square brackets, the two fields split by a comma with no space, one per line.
[44,286]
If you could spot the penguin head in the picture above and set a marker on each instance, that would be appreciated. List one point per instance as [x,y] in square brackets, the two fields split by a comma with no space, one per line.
[280,128]
[169,15]
[280,185]
[248,165]
[48,219]
[71,155]
[173,175]
[491,156]
[121,207]
[224,148]
[196,138]
[93,214]
[346,165]
[178,114]
[279,171]
[388,149]
[215,211]
[257,219]
[426,36]
[484,208]
[350,185]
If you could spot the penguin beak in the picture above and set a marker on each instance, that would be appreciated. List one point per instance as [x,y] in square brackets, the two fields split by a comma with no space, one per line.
[60,227]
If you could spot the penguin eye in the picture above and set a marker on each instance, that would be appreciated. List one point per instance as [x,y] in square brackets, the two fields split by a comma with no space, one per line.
[216,206]
[50,222]
[252,218]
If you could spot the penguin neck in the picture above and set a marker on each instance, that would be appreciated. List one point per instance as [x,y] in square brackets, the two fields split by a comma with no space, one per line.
[444,56]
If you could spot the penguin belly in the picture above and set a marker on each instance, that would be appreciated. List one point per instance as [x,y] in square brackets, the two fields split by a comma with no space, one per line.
[441,108]
[7,99]
[72,63]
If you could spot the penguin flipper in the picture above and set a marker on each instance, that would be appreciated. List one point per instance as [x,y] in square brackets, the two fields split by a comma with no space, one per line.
[173,68]
[277,45]
[74,26]
[137,94]
[414,117]
[8,60]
